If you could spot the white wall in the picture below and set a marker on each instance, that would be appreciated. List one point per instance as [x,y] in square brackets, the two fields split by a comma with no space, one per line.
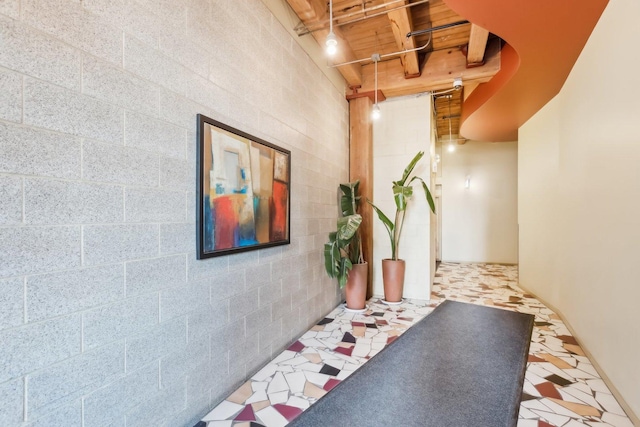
[479,223]
[403,130]
[579,199]
[106,316]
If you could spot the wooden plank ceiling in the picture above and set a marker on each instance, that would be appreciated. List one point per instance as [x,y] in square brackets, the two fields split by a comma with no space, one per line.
[367,27]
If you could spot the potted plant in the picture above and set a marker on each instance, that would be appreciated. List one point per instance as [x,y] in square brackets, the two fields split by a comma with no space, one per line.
[393,268]
[343,253]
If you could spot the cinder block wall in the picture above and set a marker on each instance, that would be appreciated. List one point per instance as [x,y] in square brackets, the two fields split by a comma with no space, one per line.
[106,317]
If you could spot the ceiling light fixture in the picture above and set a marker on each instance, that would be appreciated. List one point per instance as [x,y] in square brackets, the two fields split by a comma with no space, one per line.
[375,113]
[331,42]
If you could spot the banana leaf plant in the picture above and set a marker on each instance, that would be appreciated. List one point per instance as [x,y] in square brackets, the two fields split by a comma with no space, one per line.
[402,192]
[345,245]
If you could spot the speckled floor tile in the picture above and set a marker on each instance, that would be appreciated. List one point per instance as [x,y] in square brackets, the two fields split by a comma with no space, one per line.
[325,355]
[561,386]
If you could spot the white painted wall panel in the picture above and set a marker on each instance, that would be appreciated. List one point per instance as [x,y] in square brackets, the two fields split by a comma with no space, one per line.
[403,130]
[479,223]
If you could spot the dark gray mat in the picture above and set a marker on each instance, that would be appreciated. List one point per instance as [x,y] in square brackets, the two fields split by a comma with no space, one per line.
[463,365]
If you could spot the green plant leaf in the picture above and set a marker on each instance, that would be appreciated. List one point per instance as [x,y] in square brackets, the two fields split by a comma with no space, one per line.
[347,228]
[427,193]
[330,262]
[387,223]
[385,220]
[355,249]
[409,168]
[345,245]
[401,196]
[346,207]
[343,275]
[349,200]
[350,187]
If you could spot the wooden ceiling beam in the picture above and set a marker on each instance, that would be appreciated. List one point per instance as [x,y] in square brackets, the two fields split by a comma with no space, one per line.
[477,45]
[401,25]
[312,11]
[469,88]
[438,72]
[371,95]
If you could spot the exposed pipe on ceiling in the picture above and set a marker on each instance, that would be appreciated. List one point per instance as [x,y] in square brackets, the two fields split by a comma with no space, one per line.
[402,52]
[386,55]
[432,29]
[440,93]
[303,30]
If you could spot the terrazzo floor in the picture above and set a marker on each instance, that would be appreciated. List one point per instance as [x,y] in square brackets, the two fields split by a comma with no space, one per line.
[561,387]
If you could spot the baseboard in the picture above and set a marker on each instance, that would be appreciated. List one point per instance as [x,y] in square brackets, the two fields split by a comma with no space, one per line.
[625,407]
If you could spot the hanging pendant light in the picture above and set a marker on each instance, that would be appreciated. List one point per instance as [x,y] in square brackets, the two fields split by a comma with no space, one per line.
[331,42]
[451,147]
[375,113]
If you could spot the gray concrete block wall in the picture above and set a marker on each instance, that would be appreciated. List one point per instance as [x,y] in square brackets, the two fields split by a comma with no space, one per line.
[10,96]
[106,315]
[28,51]
[54,294]
[36,152]
[11,196]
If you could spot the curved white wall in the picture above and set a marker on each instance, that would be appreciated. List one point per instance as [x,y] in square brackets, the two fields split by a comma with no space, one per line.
[579,199]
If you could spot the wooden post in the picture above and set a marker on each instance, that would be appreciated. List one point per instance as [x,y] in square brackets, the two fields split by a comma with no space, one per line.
[361,167]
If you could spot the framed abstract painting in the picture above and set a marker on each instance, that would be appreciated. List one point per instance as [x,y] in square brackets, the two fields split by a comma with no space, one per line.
[244,191]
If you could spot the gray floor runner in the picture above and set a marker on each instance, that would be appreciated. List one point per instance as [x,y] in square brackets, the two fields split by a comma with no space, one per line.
[463,365]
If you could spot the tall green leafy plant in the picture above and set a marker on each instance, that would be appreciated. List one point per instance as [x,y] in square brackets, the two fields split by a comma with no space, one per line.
[402,192]
[345,245]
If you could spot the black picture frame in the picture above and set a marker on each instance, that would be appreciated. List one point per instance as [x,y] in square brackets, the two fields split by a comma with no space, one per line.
[243,191]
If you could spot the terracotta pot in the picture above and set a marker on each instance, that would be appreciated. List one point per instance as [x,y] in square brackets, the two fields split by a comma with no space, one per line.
[356,289]
[393,279]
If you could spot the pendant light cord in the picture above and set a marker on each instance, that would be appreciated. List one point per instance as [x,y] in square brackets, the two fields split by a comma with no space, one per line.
[330,16]
[450,138]
[375,89]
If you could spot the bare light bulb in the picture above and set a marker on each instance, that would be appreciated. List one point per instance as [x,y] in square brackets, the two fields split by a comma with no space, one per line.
[451,148]
[375,113]
[331,43]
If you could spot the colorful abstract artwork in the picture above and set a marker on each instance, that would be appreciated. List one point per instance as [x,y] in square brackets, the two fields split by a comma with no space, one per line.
[243,191]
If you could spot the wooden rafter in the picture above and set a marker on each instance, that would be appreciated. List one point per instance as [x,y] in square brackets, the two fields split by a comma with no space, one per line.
[311,11]
[368,27]
[437,73]
[469,87]
[401,25]
[477,45]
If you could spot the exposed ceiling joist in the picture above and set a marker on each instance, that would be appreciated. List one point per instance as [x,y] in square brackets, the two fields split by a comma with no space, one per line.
[477,45]
[438,72]
[440,36]
[314,11]
[469,87]
[401,24]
